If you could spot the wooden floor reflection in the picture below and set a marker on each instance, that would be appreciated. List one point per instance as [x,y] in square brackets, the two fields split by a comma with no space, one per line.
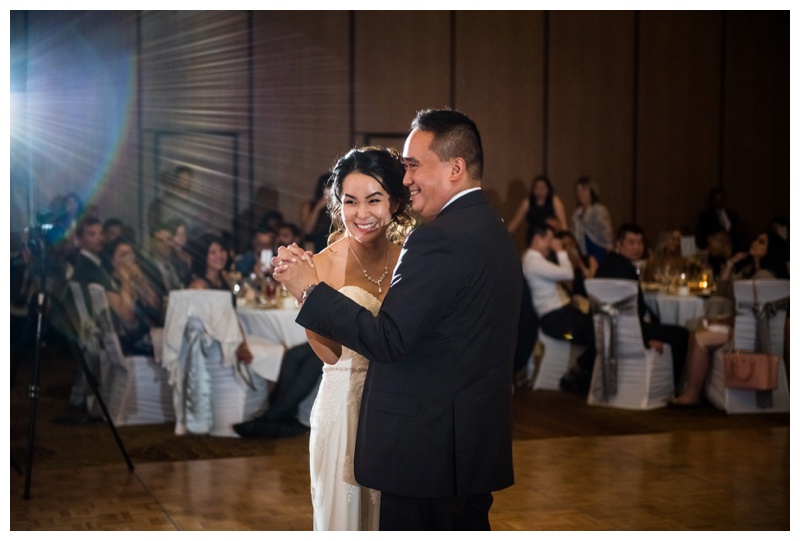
[695,480]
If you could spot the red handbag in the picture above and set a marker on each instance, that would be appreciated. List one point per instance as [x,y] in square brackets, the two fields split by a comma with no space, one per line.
[751,371]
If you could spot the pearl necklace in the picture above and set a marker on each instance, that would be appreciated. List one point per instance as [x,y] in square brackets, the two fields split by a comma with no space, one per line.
[367,276]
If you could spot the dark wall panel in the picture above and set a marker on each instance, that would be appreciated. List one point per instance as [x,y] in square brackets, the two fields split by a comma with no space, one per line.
[591,106]
[756,119]
[402,64]
[194,95]
[679,117]
[302,108]
[499,85]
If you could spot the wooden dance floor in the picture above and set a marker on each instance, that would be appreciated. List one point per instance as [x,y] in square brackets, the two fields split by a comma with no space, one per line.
[694,480]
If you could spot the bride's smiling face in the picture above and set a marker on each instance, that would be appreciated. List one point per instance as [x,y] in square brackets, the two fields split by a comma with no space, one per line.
[366,207]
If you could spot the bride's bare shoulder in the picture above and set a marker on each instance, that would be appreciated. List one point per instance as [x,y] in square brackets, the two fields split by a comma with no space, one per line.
[331,258]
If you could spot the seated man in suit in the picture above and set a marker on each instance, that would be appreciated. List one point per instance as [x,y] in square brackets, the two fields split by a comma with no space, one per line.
[558,317]
[619,264]
[88,267]
[158,265]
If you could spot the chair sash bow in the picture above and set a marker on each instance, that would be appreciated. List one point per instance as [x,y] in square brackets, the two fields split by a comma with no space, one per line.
[198,350]
[763,312]
[609,314]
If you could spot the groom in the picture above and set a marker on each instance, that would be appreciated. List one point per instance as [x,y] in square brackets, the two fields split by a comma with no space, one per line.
[434,432]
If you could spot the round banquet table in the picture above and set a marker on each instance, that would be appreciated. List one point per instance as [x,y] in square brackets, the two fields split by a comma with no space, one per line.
[683,310]
[276,324]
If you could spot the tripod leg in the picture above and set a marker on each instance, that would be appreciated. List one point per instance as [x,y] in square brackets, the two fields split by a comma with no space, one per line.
[92,381]
[33,394]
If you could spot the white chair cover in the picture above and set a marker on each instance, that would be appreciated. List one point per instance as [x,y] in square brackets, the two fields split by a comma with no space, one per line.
[632,376]
[89,333]
[744,338]
[215,310]
[89,339]
[136,389]
[201,334]
[558,357]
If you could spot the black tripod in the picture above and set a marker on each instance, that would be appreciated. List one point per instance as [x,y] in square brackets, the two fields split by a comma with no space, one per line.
[38,249]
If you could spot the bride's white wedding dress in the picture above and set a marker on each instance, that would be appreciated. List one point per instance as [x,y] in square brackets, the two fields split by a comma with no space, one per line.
[339,502]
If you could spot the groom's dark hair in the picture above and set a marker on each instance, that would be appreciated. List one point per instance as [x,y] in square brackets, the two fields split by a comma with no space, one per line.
[454,136]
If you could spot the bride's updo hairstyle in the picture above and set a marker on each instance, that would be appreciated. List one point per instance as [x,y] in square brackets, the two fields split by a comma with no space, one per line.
[385,166]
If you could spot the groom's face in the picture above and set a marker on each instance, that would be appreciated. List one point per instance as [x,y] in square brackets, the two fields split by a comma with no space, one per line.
[426,175]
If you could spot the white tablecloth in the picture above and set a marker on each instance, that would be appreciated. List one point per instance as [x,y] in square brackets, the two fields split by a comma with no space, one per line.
[683,310]
[276,324]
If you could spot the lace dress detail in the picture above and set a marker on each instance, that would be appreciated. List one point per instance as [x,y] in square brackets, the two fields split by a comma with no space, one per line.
[339,502]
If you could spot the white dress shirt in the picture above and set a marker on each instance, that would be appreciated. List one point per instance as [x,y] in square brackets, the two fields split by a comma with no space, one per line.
[543,277]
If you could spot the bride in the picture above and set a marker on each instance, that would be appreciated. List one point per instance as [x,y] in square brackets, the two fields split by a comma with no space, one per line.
[368,204]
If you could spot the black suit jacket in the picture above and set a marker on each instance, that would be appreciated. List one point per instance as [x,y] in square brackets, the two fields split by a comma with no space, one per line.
[436,410]
[85,272]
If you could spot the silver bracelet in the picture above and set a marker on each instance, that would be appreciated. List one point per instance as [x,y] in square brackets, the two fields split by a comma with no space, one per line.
[306,292]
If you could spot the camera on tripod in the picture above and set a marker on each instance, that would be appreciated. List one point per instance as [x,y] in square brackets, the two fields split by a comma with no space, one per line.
[44,234]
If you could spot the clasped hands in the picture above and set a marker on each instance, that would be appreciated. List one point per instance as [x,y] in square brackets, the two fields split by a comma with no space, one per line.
[294,268]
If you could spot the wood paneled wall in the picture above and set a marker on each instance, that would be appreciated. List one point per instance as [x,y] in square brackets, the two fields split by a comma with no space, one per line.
[656,106]
[679,115]
[499,83]
[592,106]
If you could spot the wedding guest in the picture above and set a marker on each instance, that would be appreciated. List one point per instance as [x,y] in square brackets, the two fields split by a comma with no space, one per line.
[162,272]
[88,266]
[288,233]
[135,306]
[209,258]
[271,219]
[666,259]
[300,371]
[208,262]
[314,217]
[719,251]
[584,266]
[558,317]
[113,228]
[620,264]
[180,257]
[761,262]
[250,262]
[179,200]
[718,216]
[591,221]
[542,206]
[765,259]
